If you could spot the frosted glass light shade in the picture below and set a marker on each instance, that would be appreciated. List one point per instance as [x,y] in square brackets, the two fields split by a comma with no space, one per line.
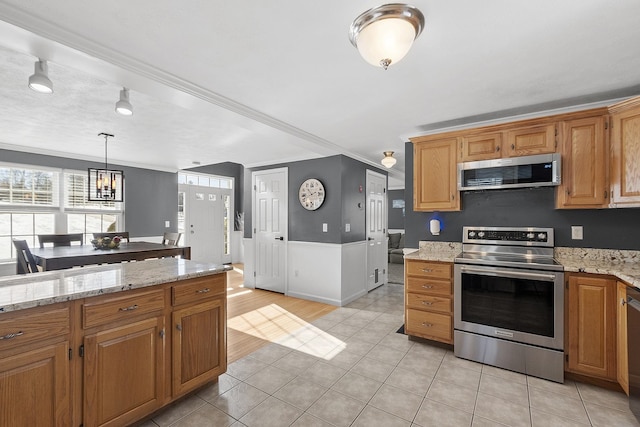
[388,161]
[123,106]
[383,35]
[387,40]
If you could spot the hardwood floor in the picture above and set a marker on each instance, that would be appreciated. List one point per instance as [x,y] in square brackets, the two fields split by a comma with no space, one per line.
[256,317]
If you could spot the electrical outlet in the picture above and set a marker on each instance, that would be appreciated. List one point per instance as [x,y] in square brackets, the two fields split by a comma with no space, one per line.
[325,227]
[576,232]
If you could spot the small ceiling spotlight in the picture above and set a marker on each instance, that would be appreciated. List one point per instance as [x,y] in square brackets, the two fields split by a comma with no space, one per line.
[39,81]
[123,106]
[383,35]
[388,160]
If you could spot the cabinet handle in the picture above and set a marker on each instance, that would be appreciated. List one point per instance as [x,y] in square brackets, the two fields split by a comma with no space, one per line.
[453,197]
[179,327]
[427,303]
[623,301]
[427,270]
[427,325]
[497,148]
[203,291]
[605,194]
[427,286]
[162,333]
[12,335]
[130,308]
[513,146]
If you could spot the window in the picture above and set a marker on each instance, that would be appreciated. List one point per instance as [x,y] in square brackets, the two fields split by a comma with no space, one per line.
[205,180]
[36,200]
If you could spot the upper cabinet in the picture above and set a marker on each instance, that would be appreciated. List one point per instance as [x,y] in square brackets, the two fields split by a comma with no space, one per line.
[584,164]
[434,174]
[480,147]
[527,141]
[625,153]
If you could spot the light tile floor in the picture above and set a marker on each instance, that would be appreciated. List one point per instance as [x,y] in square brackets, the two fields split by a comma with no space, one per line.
[351,368]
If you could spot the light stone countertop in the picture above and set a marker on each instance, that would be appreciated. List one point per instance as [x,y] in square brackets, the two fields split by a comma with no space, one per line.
[33,290]
[623,264]
[436,251]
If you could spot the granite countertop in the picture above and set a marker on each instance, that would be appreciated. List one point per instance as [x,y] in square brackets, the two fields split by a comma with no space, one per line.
[32,290]
[623,264]
[436,251]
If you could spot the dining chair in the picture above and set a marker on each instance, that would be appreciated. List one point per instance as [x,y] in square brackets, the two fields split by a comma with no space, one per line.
[123,234]
[171,238]
[60,239]
[26,263]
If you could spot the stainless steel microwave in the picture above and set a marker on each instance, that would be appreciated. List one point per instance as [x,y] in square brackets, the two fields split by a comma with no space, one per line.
[512,172]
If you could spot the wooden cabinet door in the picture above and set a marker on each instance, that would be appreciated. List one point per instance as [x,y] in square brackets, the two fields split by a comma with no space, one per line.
[625,157]
[34,387]
[592,326]
[530,140]
[623,356]
[434,176]
[199,344]
[123,373]
[481,147]
[584,164]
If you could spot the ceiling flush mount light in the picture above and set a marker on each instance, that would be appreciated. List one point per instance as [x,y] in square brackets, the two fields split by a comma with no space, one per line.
[388,160]
[123,106]
[383,35]
[105,185]
[39,80]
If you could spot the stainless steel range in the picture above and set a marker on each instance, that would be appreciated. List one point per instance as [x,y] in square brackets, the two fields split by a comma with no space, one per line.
[509,300]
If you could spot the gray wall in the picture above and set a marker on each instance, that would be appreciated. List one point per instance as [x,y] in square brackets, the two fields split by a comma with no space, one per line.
[230,169]
[342,177]
[396,215]
[151,197]
[603,228]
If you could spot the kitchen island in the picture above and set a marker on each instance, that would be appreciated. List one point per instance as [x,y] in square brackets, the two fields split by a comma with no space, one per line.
[109,345]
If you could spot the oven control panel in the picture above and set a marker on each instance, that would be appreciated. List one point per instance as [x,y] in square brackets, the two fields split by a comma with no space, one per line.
[506,235]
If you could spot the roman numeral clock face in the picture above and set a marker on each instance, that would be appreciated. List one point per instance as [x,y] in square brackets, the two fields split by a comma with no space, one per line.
[311,194]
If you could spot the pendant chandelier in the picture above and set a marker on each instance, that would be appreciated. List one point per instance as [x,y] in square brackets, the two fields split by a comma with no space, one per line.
[105,185]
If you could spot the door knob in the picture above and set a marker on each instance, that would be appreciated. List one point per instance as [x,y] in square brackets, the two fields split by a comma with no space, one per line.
[280,238]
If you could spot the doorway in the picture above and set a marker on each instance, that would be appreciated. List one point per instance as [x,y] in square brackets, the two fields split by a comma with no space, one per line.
[205,217]
[376,223]
[270,228]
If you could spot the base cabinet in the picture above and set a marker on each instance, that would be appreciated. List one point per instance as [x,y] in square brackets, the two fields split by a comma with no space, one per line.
[123,373]
[429,300]
[591,328]
[198,356]
[34,387]
[622,354]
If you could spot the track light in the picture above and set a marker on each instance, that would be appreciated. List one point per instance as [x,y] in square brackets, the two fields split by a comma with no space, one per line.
[388,161]
[123,106]
[39,81]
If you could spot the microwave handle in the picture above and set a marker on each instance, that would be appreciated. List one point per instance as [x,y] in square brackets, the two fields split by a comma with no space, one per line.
[509,273]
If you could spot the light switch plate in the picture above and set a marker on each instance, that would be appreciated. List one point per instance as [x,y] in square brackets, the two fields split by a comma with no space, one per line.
[325,227]
[576,232]
[347,228]
[167,224]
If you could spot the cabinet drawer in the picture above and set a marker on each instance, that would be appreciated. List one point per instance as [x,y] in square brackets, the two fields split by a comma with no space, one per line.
[195,290]
[429,269]
[429,302]
[437,287]
[119,308]
[20,328]
[427,324]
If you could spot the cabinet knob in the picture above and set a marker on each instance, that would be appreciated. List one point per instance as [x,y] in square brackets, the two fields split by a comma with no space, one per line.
[513,146]
[623,301]
[179,327]
[497,148]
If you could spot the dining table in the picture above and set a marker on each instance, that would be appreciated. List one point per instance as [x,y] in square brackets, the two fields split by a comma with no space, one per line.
[61,257]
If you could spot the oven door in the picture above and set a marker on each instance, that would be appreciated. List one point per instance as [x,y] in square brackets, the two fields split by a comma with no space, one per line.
[521,305]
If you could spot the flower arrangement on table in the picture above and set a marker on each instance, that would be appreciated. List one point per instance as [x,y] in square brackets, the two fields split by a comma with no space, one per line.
[106,242]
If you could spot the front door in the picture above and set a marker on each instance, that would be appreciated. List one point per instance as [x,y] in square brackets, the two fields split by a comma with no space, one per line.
[270,228]
[207,222]
[376,223]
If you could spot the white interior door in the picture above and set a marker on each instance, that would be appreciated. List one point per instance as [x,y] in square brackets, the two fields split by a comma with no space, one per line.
[204,230]
[270,228]
[376,230]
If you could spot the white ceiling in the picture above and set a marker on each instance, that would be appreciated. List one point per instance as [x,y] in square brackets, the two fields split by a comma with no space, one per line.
[260,83]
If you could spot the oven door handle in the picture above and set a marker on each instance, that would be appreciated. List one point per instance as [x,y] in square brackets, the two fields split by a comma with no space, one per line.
[509,273]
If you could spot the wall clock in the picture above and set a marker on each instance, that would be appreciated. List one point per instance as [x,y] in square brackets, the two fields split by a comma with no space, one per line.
[311,194]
